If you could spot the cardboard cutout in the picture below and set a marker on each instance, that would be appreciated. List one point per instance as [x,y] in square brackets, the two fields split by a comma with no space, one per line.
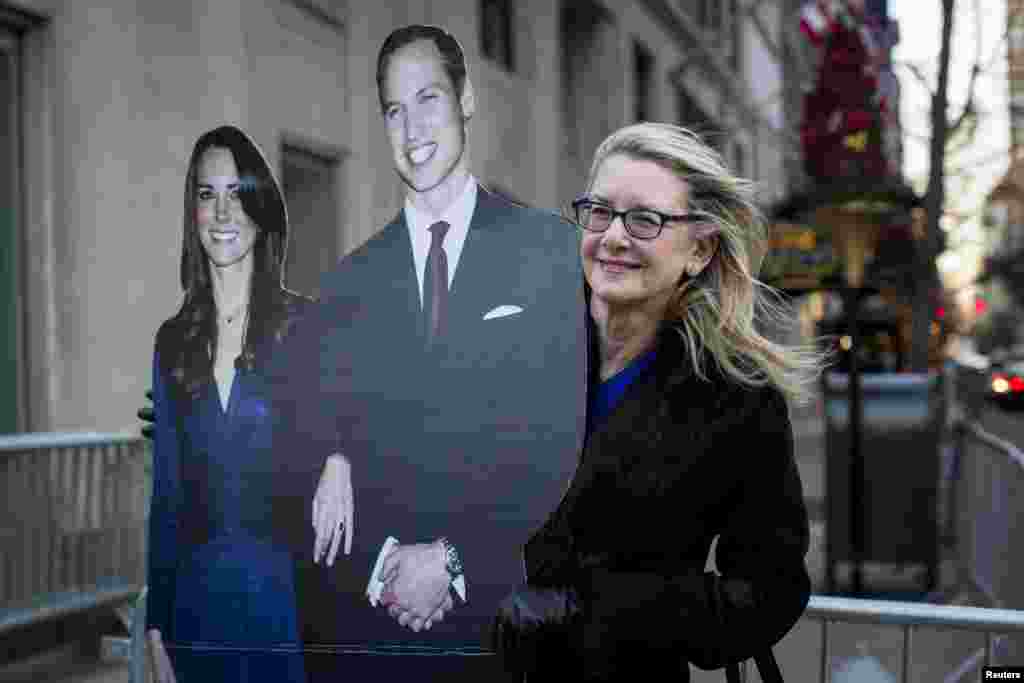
[471,432]
[452,376]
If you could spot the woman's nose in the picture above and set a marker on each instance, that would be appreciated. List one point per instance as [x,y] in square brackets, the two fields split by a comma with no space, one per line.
[223,212]
[616,233]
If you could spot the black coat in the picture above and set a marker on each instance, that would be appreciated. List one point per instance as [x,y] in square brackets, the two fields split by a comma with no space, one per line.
[678,462]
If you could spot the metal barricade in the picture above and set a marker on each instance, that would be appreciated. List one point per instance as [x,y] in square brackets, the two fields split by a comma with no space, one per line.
[139,654]
[985,502]
[72,523]
[910,618]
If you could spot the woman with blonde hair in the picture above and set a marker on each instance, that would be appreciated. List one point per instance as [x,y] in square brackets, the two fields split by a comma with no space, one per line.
[688,436]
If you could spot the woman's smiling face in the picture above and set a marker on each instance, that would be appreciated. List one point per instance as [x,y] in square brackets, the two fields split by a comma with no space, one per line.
[623,270]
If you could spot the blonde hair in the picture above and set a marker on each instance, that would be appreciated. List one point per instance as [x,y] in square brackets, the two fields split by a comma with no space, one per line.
[719,309]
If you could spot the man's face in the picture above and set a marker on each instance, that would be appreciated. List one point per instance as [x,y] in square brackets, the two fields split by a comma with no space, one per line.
[424,117]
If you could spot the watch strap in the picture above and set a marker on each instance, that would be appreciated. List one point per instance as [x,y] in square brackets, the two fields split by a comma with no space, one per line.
[453,565]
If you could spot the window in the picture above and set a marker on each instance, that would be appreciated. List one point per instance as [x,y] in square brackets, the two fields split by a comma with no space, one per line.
[719,21]
[497,35]
[1017,37]
[996,220]
[1014,238]
[736,33]
[1017,118]
[10,237]
[1016,31]
[643,81]
[692,116]
[310,184]
[709,14]
[591,94]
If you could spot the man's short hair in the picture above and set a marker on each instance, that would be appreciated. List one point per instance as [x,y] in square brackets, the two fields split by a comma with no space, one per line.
[452,58]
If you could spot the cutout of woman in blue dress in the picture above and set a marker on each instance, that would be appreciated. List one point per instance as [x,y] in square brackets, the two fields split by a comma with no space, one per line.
[221,602]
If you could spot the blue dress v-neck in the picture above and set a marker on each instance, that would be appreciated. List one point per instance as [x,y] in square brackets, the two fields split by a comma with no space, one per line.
[221,590]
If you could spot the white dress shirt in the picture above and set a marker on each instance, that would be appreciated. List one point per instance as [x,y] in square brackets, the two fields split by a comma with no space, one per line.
[458,216]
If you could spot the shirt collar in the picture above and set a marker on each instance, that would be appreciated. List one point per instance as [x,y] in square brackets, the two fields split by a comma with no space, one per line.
[457,215]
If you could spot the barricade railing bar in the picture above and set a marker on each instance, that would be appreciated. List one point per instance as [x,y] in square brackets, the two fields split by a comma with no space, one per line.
[73,511]
[910,616]
[72,523]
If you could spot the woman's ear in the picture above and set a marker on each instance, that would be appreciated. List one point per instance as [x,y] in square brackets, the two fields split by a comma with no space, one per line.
[704,249]
[468,100]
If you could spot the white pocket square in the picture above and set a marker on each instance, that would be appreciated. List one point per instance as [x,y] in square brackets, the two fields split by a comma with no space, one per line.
[502,311]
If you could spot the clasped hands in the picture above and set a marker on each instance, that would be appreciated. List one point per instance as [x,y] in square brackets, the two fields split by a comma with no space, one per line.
[415,577]
[416,585]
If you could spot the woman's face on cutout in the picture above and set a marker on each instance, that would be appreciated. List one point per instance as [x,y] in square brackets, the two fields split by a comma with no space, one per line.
[225,230]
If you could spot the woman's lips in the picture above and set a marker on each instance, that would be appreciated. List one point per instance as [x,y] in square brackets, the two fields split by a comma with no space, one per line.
[223,235]
[613,266]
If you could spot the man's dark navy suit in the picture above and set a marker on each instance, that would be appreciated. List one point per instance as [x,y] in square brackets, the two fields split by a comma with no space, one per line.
[475,440]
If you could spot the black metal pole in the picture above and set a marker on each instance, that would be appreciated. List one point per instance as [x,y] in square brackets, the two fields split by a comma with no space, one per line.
[856,483]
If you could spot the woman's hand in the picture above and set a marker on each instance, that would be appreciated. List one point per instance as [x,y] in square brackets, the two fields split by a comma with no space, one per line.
[333,509]
[534,628]
[163,672]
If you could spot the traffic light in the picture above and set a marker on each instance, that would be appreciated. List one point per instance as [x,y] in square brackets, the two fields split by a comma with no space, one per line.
[980,304]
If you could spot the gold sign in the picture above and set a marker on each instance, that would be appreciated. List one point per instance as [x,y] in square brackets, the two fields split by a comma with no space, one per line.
[800,256]
[790,236]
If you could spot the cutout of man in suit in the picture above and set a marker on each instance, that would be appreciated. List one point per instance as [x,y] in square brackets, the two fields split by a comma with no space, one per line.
[447,364]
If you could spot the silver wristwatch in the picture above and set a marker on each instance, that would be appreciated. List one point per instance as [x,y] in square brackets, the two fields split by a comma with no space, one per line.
[453,565]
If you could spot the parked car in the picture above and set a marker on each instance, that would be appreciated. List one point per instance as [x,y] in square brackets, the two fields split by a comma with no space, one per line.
[1006,381]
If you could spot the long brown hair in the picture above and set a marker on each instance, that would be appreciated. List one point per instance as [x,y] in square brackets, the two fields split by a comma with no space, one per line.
[187,343]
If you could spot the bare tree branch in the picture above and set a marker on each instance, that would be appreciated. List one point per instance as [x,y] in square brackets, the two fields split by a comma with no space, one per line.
[934,200]
[712,57]
[918,73]
[969,107]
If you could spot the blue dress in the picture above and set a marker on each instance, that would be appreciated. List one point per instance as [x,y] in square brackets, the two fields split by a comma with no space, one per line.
[221,590]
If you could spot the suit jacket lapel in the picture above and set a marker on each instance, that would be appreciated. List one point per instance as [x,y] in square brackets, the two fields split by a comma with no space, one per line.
[479,276]
[401,296]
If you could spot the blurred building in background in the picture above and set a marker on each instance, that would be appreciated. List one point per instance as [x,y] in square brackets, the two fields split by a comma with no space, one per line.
[102,102]
[999,303]
[846,234]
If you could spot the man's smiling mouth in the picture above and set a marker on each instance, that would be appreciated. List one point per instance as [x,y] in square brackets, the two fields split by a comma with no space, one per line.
[422,154]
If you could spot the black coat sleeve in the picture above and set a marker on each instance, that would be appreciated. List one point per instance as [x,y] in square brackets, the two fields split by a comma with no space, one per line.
[763,586]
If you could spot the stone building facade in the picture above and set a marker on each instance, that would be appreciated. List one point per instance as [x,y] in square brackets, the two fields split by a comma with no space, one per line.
[103,100]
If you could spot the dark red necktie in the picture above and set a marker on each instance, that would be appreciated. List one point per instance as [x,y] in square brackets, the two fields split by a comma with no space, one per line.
[435,284]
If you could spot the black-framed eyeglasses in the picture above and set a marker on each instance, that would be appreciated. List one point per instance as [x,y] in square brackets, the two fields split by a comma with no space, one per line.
[643,224]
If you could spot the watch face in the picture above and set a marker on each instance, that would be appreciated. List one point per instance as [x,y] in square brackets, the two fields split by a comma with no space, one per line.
[454,563]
